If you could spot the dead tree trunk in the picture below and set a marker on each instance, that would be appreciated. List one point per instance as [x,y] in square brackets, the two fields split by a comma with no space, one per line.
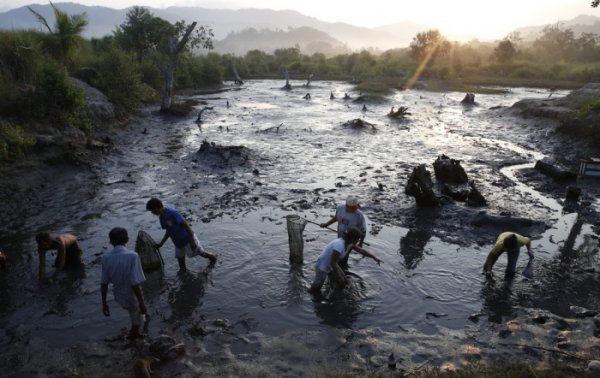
[175,48]
[238,80]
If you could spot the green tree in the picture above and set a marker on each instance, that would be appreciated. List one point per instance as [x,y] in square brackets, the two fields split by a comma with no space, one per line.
[142,31]
[556,43]
[587,47]
[505,51]
[66,35]
[257,62]
[426,46]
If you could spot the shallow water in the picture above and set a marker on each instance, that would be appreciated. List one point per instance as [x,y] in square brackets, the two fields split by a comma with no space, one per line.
[302,160]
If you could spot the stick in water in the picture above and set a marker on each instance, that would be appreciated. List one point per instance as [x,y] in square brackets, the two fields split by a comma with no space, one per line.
[330,229]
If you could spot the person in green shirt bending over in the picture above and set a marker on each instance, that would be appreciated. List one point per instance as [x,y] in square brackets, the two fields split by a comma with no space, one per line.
[511,243]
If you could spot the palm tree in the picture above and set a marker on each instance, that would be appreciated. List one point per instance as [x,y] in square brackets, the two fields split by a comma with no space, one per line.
[66,35]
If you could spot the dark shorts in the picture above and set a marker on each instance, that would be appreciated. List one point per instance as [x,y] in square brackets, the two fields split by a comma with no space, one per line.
[72,257]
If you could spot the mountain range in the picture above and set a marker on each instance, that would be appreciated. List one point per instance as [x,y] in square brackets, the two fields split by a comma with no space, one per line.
[238,31]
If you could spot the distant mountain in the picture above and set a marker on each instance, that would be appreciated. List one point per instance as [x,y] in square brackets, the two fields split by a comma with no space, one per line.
[309,41]
[102,20]
[223,22]
[580,24]
[237,31]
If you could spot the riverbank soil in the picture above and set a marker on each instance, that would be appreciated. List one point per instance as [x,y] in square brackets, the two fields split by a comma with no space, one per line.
[262,153]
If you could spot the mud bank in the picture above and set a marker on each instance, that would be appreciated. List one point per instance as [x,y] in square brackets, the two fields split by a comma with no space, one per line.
[270,154]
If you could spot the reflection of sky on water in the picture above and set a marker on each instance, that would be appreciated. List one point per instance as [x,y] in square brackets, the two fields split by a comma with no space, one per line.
[424,281]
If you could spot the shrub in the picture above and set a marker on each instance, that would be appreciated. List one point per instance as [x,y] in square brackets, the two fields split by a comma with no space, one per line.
[13,143]
[57,97]
[589,107]
[119,78]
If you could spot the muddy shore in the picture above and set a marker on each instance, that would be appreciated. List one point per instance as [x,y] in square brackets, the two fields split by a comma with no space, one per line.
[230,183]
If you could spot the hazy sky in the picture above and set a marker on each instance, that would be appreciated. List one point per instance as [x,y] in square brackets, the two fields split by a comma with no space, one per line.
[484,18]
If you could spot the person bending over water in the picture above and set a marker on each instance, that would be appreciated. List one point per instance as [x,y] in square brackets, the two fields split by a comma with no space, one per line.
[328,260]
[68,253]
[509,242]
[348,215]
[180,232]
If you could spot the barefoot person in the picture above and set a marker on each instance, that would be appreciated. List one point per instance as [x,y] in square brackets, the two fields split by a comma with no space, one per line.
[123,269]
[509,242]
[328,260]
[180,232]
[348,215]
[68,253]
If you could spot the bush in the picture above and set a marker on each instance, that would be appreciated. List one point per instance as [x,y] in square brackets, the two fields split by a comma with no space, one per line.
[119,78]
[13,143]
[20,56]
[589,107]
[57,97]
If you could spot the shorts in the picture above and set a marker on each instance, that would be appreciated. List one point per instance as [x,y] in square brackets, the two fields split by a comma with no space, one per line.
[511,265]
[72,257]
[186,250]
[320,277]
[135,315]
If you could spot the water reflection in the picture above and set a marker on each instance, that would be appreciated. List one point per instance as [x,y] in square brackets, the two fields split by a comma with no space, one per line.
[296,289]
[413,243]
[66,290]
[497,299]
[186,298]
[340,307]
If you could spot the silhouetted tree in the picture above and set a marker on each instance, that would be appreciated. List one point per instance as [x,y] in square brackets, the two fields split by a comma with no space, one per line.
[556,43]
[142,31]
[505,51]
[426,46]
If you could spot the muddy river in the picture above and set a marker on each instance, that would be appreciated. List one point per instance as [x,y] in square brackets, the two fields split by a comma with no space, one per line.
[262,153]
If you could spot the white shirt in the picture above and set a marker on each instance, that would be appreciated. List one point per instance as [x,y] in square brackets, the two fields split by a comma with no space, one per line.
[123,269]
[346,220]
[324,259]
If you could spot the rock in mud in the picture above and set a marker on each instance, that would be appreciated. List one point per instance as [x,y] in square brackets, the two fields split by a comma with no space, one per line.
[573,193]
[469,99]
[593,368]
[567,111]
[359,124]
[522,226]
[475,198]
[449,170]
[237,155]
[420,186]
[553,169]
[165,348]
[456,183]
[581,312]
[400,113]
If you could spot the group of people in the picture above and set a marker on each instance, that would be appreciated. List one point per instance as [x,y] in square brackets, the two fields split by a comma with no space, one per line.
[122,267]
[352,229]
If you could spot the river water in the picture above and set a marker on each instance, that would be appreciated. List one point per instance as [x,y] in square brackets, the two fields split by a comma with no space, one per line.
[299,158]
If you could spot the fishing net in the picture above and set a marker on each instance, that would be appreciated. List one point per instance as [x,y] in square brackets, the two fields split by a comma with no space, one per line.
[149,253]
[295,227]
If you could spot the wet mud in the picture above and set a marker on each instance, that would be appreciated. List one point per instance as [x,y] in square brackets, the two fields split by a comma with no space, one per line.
[261,154]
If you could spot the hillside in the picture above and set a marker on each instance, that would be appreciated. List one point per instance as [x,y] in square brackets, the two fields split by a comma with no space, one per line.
[237,31]
[580,24]
[309,41]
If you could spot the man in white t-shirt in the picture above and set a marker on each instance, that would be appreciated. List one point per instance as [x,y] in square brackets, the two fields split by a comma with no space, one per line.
[328,260]
[348,215]
[123,269]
